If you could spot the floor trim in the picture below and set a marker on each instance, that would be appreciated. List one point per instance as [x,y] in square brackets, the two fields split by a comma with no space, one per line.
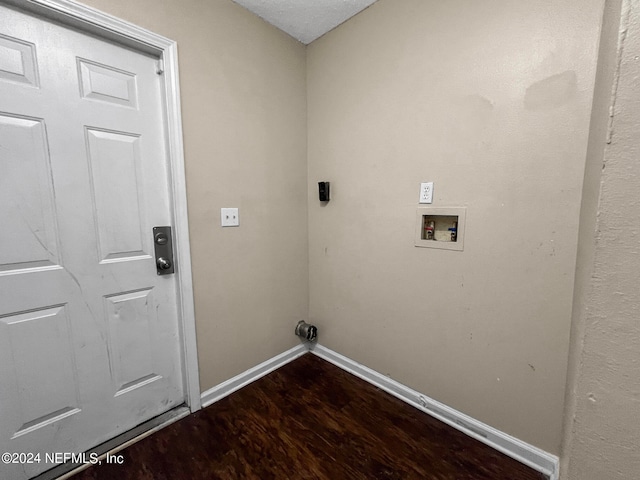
[236,383]
[523,452]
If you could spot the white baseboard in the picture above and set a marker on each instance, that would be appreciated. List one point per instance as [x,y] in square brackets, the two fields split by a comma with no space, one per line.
[228,387]
[529,455]
[523,452]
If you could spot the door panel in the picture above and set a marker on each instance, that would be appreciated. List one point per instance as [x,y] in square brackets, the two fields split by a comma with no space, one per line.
[114,160]
[131,320]
[26,188]
[101,82]
[18,61]
[38,344]
[89,344]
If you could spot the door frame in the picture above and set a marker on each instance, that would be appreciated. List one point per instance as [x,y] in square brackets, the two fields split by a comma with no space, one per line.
[110,28]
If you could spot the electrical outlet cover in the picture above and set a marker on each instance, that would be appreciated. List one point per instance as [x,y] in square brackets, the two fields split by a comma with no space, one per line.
[229,217]
[426,192]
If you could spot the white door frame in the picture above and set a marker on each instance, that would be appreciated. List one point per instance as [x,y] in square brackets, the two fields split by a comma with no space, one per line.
[111,28]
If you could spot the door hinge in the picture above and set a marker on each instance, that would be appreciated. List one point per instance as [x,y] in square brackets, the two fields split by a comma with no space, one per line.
[160,66]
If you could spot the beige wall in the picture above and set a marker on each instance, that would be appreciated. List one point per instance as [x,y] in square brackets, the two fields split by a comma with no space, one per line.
[602,426]
[491,101]
[244,114]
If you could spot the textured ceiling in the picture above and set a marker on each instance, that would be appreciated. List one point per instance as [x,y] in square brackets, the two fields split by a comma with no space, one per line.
[305,20]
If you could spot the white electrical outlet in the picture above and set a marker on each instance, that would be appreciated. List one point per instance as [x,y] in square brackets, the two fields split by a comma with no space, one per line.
[426,192]
[229,217]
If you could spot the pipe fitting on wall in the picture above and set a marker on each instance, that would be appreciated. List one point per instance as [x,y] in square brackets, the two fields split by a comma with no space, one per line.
[306,331]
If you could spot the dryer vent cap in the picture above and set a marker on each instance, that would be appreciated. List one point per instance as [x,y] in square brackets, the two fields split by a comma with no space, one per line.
[306,331]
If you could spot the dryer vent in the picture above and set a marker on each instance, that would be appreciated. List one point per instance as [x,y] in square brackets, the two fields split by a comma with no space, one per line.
[306,331]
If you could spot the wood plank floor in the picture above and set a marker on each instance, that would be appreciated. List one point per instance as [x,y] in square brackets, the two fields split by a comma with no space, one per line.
[310,420]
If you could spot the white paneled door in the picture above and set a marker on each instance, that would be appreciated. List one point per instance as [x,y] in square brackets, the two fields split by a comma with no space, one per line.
[89,343]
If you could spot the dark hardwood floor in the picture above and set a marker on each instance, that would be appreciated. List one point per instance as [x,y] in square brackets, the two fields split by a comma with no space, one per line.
[310,420]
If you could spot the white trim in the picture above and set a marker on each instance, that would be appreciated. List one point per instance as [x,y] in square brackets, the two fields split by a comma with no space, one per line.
[245,378]
[523,452]
[89,19]
[181,227]
[111,28]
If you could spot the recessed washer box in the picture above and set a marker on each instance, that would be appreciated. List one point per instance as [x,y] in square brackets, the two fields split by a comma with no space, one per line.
[440,227]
